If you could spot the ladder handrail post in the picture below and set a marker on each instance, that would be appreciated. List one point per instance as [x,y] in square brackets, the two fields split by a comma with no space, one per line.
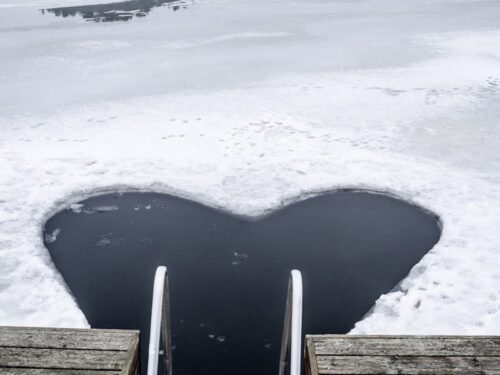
[285,340]
[166,328]
[160,324]
[291,343]
[296,324]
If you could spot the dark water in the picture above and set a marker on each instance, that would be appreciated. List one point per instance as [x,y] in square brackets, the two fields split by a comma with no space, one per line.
[118,11]
[228,275]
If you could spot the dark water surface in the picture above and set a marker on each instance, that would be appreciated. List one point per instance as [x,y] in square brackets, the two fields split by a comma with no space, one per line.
[228,275]
[117,11]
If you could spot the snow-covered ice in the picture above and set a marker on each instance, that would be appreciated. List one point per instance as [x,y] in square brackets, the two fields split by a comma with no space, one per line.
[246,106]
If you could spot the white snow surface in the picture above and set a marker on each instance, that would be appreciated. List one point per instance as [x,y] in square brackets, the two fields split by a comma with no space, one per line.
[247,106]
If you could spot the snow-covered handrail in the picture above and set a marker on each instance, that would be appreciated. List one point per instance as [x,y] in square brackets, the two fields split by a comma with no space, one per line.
[291,342]
[160,324]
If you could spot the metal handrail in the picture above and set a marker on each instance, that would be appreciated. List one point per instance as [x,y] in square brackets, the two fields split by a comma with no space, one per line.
[160,324]
[291,343]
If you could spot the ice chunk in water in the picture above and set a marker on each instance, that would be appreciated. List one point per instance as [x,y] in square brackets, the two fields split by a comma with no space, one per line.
[52,237]
[101,209]
[240,258]
[76,208]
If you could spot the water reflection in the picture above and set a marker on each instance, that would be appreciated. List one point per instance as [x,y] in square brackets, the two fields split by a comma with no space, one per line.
[119,11]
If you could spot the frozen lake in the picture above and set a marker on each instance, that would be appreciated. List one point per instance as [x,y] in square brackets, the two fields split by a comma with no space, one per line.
[246,106]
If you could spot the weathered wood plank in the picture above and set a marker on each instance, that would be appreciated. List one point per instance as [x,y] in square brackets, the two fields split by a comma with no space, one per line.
[62,359]
[131,365]
[53,338]
[311,365]
[406,346]
[36,371]
[366,365]
[339,335]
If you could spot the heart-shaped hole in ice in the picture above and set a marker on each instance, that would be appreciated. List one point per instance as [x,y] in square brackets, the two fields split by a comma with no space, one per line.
[228,275]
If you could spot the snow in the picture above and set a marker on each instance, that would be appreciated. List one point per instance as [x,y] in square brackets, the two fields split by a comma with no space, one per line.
[247,106]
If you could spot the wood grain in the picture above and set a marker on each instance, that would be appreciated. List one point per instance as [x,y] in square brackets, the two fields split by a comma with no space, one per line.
[62,359]
[346,354]
[43,351]
[35,371]
[407,365]
[64,338]
[408,346]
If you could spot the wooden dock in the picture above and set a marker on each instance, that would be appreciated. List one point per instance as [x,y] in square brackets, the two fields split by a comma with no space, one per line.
[43,351]
[346,354]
